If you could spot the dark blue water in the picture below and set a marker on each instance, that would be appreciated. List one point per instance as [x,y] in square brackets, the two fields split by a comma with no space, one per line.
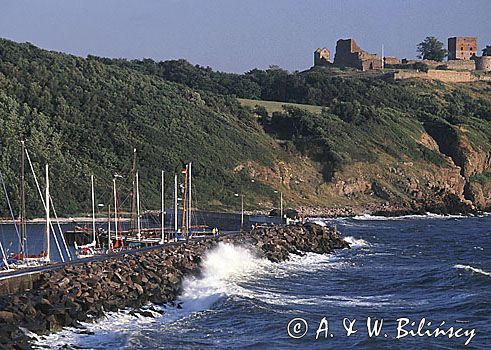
[433,268]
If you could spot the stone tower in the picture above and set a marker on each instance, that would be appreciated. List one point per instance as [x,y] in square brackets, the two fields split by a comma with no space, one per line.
[322,57]
[462,47]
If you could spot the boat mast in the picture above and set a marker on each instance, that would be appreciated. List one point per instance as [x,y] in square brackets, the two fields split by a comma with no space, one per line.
[93,210]
[241,212]
[175,204]
[134,194]
[162,211]
[109,227]
[47,203]
[23,231]
[43,201]
[115,211]
[281,205]
[190,202]
[138,208]
[184,223]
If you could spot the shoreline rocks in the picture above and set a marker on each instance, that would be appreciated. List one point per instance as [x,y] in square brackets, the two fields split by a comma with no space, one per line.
[448,205]
[79,293]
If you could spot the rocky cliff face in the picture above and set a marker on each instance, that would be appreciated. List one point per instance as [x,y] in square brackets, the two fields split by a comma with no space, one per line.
[390,186]
[471,160]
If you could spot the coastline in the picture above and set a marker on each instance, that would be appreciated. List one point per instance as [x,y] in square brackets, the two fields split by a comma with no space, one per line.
[77,293]
[450,207]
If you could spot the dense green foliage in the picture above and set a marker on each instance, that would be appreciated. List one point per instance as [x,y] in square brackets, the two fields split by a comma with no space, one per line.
[83,117]
[431,49]
[195,77]
[348,96]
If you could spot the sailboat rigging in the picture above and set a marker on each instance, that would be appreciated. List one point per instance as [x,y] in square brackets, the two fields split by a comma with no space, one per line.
[22,259]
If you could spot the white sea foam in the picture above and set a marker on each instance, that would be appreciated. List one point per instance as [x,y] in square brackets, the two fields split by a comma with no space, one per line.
[226,270]
[278,298]
[367,301]
[296,265]
[320,222]
[114,330]
[368,217]
[310,262]
[356,242]
[473,269]
[222,268]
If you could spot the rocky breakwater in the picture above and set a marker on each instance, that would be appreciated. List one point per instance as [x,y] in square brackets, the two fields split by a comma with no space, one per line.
[83,292]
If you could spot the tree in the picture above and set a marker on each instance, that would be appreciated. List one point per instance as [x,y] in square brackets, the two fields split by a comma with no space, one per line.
[486,51]
[431,49]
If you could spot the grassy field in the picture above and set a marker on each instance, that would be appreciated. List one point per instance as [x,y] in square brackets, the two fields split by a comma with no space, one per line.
[273,106]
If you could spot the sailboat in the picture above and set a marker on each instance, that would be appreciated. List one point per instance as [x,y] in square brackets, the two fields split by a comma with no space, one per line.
[187,229]
[90,249]
[135,236]
[22,259]
[138,236]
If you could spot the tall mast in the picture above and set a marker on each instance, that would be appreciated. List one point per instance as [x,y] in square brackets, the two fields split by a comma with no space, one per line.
[94,240]
[184,223]
[175,203]
[241,212]
[162,211]
[44,204]
[281,205]
[23,231]
[115,211]
[109,227]
[133,193]
[189,196]
[139,236]
[47,204]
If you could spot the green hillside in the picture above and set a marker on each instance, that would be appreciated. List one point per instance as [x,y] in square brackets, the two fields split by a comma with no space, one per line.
[325,141]
[84,117]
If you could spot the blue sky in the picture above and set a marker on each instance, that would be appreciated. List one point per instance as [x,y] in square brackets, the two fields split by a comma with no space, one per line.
[237,36]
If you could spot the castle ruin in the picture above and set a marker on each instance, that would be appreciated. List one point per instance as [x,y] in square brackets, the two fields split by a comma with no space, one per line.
[349,54]
[462,56]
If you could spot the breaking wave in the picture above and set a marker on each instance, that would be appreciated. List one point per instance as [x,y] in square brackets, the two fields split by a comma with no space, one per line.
[222,268]
[368,217]
[356,242]
[472,269]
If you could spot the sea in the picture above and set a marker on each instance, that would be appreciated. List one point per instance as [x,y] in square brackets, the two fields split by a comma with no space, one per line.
[413,282]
